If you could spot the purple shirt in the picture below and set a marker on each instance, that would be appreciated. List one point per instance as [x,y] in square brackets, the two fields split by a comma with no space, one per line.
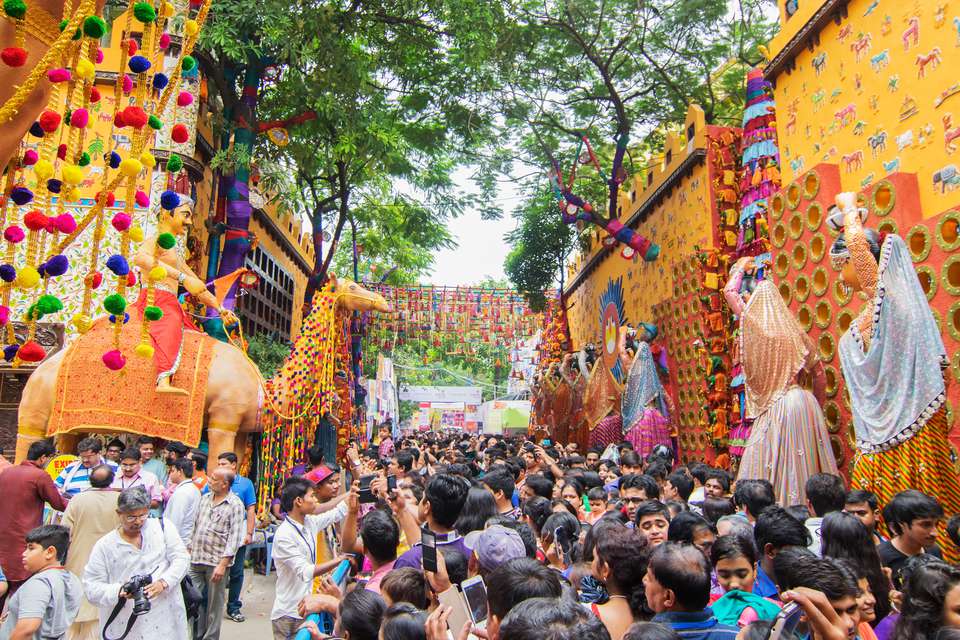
[414,556]
[884,630]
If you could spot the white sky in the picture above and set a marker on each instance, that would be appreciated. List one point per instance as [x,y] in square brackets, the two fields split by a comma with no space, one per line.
[481,248]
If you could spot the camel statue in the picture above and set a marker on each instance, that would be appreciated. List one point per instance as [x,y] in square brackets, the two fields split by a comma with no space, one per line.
[233,388]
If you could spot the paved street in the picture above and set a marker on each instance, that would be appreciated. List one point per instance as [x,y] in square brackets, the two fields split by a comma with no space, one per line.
[257,600]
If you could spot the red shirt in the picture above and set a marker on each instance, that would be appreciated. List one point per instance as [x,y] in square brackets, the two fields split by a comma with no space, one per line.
[25,488]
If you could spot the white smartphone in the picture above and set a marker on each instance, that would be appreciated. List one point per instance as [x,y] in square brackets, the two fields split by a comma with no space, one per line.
[786,622]
[459,615]
[475,595]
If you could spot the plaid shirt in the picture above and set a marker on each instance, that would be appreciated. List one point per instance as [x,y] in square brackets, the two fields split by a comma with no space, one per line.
[219,530]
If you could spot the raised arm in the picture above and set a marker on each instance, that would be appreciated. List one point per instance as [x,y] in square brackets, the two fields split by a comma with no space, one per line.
[731,292]
[863,261]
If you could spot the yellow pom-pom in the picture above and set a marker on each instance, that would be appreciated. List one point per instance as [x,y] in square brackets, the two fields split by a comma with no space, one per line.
[72,195]
[43,169]
[191,27]
[157,274]
[72,174]
[147,160]
[27,278]
[131,167]
[82,322]
[84,69]
[135,233]
[167,10]
[144,350]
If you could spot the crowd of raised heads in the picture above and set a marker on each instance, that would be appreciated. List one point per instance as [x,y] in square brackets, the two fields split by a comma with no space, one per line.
[455,536]
[603,544]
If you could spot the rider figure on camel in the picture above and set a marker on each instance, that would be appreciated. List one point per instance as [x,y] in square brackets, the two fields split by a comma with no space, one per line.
[166,334]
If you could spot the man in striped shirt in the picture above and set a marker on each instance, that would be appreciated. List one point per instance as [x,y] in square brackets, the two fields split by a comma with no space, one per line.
[76,477]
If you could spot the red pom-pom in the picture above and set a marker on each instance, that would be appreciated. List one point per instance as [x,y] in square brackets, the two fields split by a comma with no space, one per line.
[111,200]
[95,280]
[114,360]
[14,56]
[49,121]
[131,278]
[94,95]
[118,120]
[62,152]
[135,117]
[31,352]
[131,47]
[50,225]
[179,134]
[35,221]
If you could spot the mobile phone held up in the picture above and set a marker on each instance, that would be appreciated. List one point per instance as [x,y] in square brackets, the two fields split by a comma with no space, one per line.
[429,542]
[786,622]
[475,595]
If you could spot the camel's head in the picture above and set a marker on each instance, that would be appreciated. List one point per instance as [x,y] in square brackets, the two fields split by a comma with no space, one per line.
[355,298]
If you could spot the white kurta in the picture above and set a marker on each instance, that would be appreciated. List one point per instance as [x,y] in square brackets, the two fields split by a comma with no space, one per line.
[114,561]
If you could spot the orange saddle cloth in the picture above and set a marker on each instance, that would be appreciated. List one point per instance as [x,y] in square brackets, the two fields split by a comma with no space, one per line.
[91,397]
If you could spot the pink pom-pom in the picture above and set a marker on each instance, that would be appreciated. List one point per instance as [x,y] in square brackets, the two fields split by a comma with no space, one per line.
[79,118]
[142,199]
[164,41]
[59,75]
[99,56]
[114,360]
[14,234]
[65,223]
[127,84]
[30,158]
[121,222]
[184,99]
[4,315]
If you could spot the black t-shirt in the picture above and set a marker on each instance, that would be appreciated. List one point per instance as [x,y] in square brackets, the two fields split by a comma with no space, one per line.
[891,557]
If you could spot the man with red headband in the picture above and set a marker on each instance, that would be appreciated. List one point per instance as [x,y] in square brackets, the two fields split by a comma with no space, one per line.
[166,333]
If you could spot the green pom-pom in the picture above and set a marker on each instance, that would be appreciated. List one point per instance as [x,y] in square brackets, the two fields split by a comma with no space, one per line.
[153,313]
[166,240]
[189,63]
[154,123]
[115,304]
[76,34]
[49,304]
[94,27]
[84,159]
[16,9]
[144,12]
[174,163]
[33,313]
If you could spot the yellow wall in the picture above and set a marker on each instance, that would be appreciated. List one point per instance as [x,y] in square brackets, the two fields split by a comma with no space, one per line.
[884,90]
[678,223]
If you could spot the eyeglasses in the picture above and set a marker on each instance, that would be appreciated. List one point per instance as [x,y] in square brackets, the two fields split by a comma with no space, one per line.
[139,518]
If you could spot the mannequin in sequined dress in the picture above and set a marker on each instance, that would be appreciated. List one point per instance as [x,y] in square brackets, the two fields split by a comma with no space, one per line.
[788,441]
[892,358]
[644,406]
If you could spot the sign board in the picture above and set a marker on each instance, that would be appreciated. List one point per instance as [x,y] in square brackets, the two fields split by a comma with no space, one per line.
[58,464]
[466,395]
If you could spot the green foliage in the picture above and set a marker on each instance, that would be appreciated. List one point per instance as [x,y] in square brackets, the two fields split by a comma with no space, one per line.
[268,353]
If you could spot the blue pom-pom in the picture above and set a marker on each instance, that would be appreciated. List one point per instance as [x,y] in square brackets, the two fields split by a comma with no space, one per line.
[114,159]
[21,195]
[8,273]
[10,352]
[169,200]
[57,265]
[138,64]
[36,130]
[53,185]
[118,264]
[160,81]
[113,318]
[42,269]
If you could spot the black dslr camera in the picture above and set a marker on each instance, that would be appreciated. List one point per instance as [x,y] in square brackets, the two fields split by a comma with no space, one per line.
[134,587]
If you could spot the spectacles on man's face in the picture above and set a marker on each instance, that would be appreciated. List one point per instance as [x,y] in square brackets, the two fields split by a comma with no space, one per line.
[131,518]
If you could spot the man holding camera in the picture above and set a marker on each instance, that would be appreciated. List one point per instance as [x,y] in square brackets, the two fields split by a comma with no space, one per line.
[134,573]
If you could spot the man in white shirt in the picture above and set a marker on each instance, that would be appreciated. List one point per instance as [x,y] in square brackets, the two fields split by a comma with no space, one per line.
[181,510]
[133,475]
[295,552]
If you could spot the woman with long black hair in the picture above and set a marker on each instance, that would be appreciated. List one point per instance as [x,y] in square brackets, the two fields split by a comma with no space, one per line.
[931,601]
[846,538]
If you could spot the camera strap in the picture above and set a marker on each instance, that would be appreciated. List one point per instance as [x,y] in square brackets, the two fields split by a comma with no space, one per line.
[113,616]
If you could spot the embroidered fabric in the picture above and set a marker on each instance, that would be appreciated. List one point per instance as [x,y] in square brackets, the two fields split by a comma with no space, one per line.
[894,378]
[643,387]
[602,395]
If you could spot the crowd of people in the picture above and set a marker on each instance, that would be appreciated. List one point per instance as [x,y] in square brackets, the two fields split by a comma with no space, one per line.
[558,544]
